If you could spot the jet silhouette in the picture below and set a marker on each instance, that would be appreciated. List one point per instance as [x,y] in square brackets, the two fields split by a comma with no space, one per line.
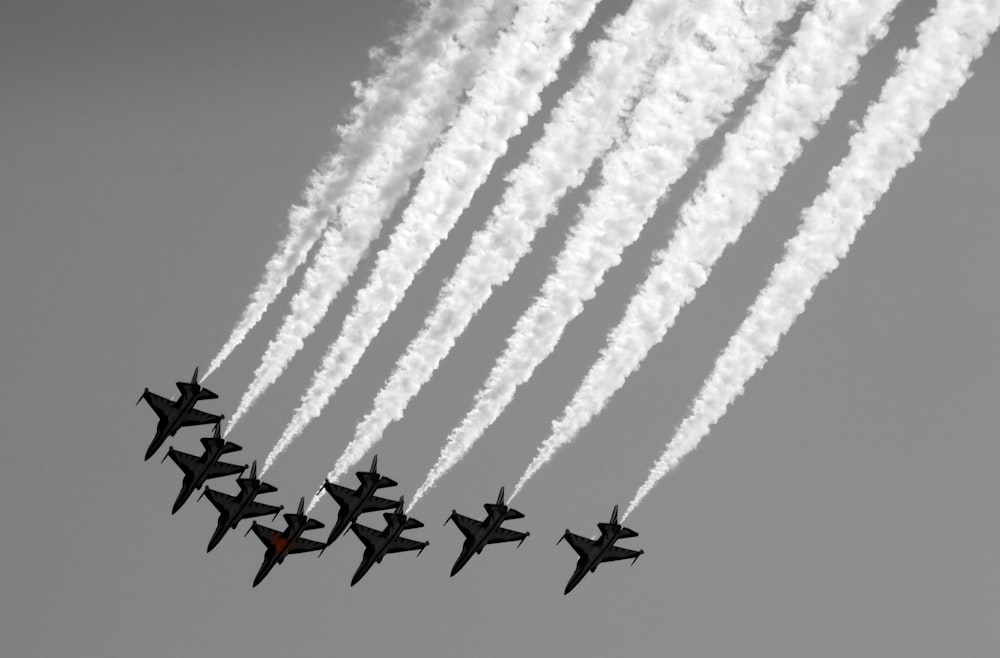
[175,414]
[197,470]
[594,552]
[379,544]
[232,509]
[479,534]
[282,544]
[354,503]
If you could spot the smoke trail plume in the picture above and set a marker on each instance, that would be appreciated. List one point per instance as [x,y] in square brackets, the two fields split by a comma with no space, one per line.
[798,96]
[381,100]
[928,77]
[688,100]
[379,185]
[585,123]
[504,95]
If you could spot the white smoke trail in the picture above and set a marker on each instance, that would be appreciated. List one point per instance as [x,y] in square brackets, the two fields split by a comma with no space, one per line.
[928,77]
[798,96]
[689,98]
[381,99]
[382,182]
[504,95]
[585,123]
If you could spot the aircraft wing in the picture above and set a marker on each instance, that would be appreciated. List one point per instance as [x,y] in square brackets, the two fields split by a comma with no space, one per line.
[370,538]
[187,463]
[196,417]
[270,537]
[468,526]
[221,469]
[376,504]
[301,545]
[344,496]
[584,547]
[400,544]
[618,553]
[163,407]
[222,502]
[259,509]
[503,534]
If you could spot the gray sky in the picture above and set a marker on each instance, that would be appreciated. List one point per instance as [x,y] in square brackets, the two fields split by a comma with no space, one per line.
[149,152]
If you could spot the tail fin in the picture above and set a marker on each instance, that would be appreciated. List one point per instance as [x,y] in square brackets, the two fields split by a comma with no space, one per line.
[500,497]
[399,506]
[141,397]
[194,377]
[614,516]
[374,468]
[302,506]
[253,470]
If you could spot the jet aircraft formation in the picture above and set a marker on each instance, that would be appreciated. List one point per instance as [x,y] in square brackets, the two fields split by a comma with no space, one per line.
[176,414]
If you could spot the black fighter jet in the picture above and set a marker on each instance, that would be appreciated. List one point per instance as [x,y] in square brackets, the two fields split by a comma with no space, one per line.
[282,544]
[175,414]
[197,470]
[379,544]
[232,510]
[355,502]
[592,552]
[479,534]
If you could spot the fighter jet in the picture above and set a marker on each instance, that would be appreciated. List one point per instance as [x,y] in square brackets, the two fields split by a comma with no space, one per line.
[197,470]
[479,534]
[354,503]
[379,544]
[232,510]
[593,552]
[175,414]
[282,544]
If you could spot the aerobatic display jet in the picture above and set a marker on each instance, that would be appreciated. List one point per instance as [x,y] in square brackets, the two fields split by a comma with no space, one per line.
[479,534]
[379,544]
[355,502]
[232,509]
[288,542]
[175,414]
[593,552]
[198,470]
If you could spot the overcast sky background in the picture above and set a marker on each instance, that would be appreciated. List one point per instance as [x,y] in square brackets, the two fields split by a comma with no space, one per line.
[149,151]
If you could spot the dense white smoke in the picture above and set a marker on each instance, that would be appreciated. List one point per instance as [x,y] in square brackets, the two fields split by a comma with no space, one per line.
[798,97]
[928,77]
[689,98]
[503,97]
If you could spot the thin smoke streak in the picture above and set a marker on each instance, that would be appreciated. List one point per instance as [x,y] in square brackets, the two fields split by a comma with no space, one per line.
[381,100]
[585,123]
[525,60]
[691,95]
[929,76]
[797,98]
[383,181]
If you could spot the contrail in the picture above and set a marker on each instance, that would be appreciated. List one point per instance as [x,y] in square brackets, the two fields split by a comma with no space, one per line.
[585,123]
[382,99]
[689,98]
[798,96]
[504,95]
[382,182]
[928,77]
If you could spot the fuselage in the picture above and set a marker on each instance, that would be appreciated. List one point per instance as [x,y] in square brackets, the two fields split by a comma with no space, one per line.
[282,545]
[229,520]
[243,501]
[608,539]
[204,464]
[392,531]
[493,521]
[364,493]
